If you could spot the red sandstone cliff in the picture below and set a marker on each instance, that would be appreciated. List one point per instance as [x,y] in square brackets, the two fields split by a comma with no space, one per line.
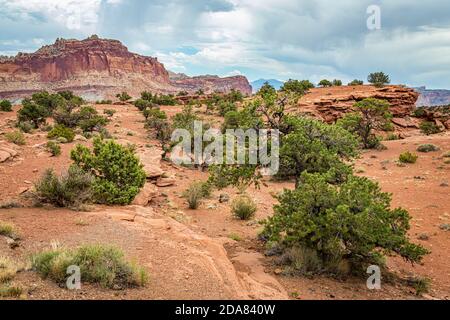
[98,68]
[329,104]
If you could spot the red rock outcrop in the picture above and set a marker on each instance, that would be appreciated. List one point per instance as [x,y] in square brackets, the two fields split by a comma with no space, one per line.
[330,104]
[210,84]
[98,68]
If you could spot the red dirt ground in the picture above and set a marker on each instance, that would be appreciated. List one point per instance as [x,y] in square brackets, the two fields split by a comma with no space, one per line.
[191,254]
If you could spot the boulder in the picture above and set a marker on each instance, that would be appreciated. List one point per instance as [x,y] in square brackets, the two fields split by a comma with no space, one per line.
[165,182]
[4,156]
[6,153]
[148,192]
[151,159]
[80,138]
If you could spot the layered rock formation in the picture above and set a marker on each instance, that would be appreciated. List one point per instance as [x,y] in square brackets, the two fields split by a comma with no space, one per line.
[430,98]
[213,83]
[330,104]
[98,68]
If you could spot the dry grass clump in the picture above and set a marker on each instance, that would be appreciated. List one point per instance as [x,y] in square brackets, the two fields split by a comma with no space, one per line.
[105,265]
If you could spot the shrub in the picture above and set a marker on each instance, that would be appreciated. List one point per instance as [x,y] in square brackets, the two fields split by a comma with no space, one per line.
[16,137]
[32,112]
[104,102]
[25,126]
[427,148]
[64,116]
[124,96]
[243,207]
[224,107]
[429,128]
[373,114]
[193,195]
[408,157]
[49,101]
[164,100]
[96,123]
[182,93]
[142,104]
[296,86]
[266,89]
[351,222]
[109,112]
[54,148]
[147,96]
[5,105]
[419,112]
[337,83]
[118,172]
[356,82]
[71,189]
[60,131]
[313,146]
[378,79]
[325,83]
[100,264]
[234,96]
[392,137]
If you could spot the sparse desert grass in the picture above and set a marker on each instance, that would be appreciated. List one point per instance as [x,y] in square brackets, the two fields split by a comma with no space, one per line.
[54,148]
[427,148]
[72,189]
[195,192]
[82,223]
[302,260]
[243,207]
[420,284]
[8,269]
[392,137]
[235,237]
[109,112]
[10,292]
[16,137]
[100,264]
[408,157]
[7,229]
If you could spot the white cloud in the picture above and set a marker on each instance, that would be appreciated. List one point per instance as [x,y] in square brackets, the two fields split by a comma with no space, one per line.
[72,14]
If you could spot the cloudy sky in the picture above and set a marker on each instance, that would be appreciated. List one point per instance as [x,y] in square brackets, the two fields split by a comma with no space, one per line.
[281,39]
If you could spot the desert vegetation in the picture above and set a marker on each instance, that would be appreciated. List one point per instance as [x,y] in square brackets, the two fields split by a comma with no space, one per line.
[325,218]
[104,265]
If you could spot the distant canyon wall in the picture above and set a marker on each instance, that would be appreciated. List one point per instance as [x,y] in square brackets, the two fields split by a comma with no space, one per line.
[99,68]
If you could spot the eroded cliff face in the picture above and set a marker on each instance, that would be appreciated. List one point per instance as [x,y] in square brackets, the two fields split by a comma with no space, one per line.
[330,104]
[210,84]
[98,68]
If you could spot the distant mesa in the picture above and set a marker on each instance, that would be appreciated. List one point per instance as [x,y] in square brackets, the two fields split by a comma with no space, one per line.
[431,97]
[99,68]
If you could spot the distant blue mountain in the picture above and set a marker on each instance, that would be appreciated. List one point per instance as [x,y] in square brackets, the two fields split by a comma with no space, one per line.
[256,85]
